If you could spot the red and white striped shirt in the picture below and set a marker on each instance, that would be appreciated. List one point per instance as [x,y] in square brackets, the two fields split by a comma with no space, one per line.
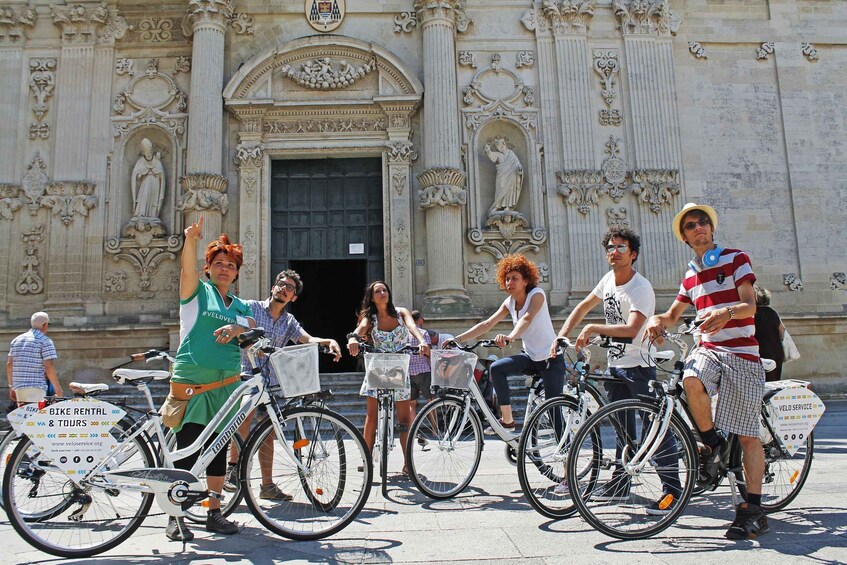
[717,287]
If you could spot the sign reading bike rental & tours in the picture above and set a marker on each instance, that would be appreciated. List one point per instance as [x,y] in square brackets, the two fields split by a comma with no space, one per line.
[75,434]
[325,15]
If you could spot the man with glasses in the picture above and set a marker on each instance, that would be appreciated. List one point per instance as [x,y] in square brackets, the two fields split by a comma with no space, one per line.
[280,327]
[29,367]
[628,300]
[719,283]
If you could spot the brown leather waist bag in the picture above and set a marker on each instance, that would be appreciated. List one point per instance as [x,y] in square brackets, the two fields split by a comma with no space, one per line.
[186,391]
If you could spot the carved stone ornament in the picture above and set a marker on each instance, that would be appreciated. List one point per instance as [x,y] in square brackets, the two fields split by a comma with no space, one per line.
[401,247]
[442,186]
[607,66]
[30,282]
[182,64]
[567,16]
[476,94]
[217,12]
[524,59]
[493,242]
[242,24]
[643,17]
[88,24]
[39,131]
[610,117]
[67,198]
[617,217]
[150,98]
[544,271]
[479,273]
[405,22]
[449,9]
[9,201]
[16,23]
[325,15]
[507,222]
[655,188]
[202,192]
[115,282]
[145,259]
[42,83]
[697,50]
[792,281]
[401,151]
[838,281]
[328,125]
[530,19]
[319,74]
[809,51]
[249,156]
[34,183]
[124,66]
[765,50]
[399,181]
[156,29]
[467,59]
[583,188]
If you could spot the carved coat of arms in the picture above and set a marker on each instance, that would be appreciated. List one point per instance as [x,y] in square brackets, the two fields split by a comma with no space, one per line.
[325,15]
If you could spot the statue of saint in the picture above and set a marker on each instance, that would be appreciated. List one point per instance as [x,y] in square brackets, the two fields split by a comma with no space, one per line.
[509,178]
[148,183]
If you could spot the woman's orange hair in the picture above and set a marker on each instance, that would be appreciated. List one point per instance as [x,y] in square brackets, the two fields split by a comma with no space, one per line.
[518,263]
[224,245]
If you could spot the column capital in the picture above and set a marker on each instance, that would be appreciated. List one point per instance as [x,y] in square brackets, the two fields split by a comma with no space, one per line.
[249,156]
[81,24]
[644,17]
[400,151]
[215,13]
[442,186]
[202,192]
[15,24]
[450,11]
[567,17]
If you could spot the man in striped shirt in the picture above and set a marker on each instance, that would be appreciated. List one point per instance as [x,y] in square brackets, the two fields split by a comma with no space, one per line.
[719,283]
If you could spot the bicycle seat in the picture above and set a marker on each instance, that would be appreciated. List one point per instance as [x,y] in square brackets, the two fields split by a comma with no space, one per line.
[124,376]
[664,355]
[768,364]
[86,389]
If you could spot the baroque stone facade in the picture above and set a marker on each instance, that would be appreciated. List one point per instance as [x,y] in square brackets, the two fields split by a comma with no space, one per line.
[502,126]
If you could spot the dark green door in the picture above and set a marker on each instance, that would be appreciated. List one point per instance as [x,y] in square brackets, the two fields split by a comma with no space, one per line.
[326,223]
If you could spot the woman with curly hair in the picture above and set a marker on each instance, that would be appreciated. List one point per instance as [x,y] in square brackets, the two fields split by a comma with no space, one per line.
[527,305]
[208,361]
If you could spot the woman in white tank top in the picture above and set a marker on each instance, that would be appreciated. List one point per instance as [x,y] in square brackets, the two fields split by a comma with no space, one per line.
[527,305]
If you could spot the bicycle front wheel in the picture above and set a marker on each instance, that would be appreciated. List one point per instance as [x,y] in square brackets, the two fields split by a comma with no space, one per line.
[623,496]
[86,520]
[542,457]
[784,474]
[315,463]
[443,454]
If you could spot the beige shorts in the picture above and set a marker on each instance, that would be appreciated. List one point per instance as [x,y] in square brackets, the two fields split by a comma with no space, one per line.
[30,394]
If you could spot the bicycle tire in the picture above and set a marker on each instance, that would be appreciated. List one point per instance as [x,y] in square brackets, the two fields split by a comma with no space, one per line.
[198,513]
[617,503]
[300,518]
[7,446]
[68,538]
[783,478]
[542,465]
[384,430]
[456,452]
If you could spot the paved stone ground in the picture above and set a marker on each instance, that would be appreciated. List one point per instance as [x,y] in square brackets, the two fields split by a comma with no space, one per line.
[492,523]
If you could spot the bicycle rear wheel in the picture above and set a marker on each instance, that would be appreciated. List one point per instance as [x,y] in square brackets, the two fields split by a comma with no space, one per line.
[784,475]
[443,458]
[7,446]
[542,457]
[86,520]
[316,462]
[620,498]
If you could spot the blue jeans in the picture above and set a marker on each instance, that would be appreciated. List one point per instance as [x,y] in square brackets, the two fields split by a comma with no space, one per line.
[551,370]
[632,382]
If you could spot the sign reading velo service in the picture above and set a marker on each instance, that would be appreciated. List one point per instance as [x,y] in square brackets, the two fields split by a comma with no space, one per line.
[325,15]
[74,434]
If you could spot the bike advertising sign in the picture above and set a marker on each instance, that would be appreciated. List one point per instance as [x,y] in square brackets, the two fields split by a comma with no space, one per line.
[74,434]
[794,412]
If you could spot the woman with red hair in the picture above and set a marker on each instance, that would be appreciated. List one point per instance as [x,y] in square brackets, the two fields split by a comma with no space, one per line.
[208,361]
[527,306]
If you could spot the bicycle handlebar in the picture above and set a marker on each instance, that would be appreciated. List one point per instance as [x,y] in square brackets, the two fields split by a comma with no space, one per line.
[453,344]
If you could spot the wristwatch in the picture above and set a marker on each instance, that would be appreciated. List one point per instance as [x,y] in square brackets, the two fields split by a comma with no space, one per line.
[731,311]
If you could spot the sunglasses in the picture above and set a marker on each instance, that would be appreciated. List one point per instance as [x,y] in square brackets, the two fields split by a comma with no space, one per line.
[620,248]
[702,222]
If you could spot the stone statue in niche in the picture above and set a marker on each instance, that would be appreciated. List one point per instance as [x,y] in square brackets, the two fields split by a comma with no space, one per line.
[509,179]
[148,193]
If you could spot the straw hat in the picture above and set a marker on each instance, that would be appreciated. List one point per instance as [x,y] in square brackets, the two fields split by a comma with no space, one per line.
[691,207]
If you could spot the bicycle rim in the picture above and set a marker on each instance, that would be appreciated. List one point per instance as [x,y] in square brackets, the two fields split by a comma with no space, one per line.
[784,475]
[542,457]
[442,458]
[7,446]
[327,493]
[619,500]
[111,516]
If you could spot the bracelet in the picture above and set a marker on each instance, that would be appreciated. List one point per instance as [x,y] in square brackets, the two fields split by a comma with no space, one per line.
[731,311]
[353,335]
[242,321]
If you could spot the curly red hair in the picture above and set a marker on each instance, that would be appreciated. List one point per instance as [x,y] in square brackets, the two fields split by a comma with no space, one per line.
[518,263]
[224,245]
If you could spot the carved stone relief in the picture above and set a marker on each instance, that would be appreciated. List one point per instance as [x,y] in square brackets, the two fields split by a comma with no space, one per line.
[809,51]
[583,188]
[249,156]
[144,258]
[792,281]
[150,98]
[319,73]
[644,17]
[156,29]
[524,59]
[182,64]
[610,117]
[838,281]
[564,16]
[147,183]
[617,217]
[39,131]
[42,83]
[30,282]
[655,188]
[115,282]
[242,24]
[67,198]
[480,93]
[16,23]
[327,125]
[607,66]
[544,271]
[9,201]
[401,151]
[467,59]
[124,66]
[479,272]
[405,22]
[765,49]
[508,178]
[442,186]
[88,24]
[697,50]
[202,192]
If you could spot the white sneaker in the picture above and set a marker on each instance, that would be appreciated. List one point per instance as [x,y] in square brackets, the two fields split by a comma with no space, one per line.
[562,488]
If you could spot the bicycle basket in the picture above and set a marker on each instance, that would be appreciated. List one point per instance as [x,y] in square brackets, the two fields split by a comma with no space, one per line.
[387,371]
[296,368]
[452,368]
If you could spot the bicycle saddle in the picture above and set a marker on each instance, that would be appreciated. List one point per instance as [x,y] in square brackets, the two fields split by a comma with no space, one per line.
[86,389]
[124,376]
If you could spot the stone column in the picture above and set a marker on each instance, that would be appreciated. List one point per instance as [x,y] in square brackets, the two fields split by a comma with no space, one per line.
[250,160]
[204,187]
[399,156]
[442,193]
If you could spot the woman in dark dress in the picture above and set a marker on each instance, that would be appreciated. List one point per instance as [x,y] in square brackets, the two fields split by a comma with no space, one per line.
[769,332]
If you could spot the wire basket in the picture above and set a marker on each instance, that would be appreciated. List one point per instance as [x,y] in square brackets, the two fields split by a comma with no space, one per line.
[452,368]
[387,371]
[296,368]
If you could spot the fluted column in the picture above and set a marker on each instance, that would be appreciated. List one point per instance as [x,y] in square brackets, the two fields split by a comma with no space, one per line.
[204,188]
[442,193]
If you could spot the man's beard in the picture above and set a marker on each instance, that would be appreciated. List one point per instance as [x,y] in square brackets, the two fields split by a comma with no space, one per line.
[279,300]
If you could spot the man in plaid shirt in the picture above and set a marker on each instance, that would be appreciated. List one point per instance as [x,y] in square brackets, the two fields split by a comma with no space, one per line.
[30,363]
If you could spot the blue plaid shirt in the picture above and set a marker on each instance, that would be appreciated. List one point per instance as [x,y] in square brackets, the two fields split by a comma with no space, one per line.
[286,328]
[29,351]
